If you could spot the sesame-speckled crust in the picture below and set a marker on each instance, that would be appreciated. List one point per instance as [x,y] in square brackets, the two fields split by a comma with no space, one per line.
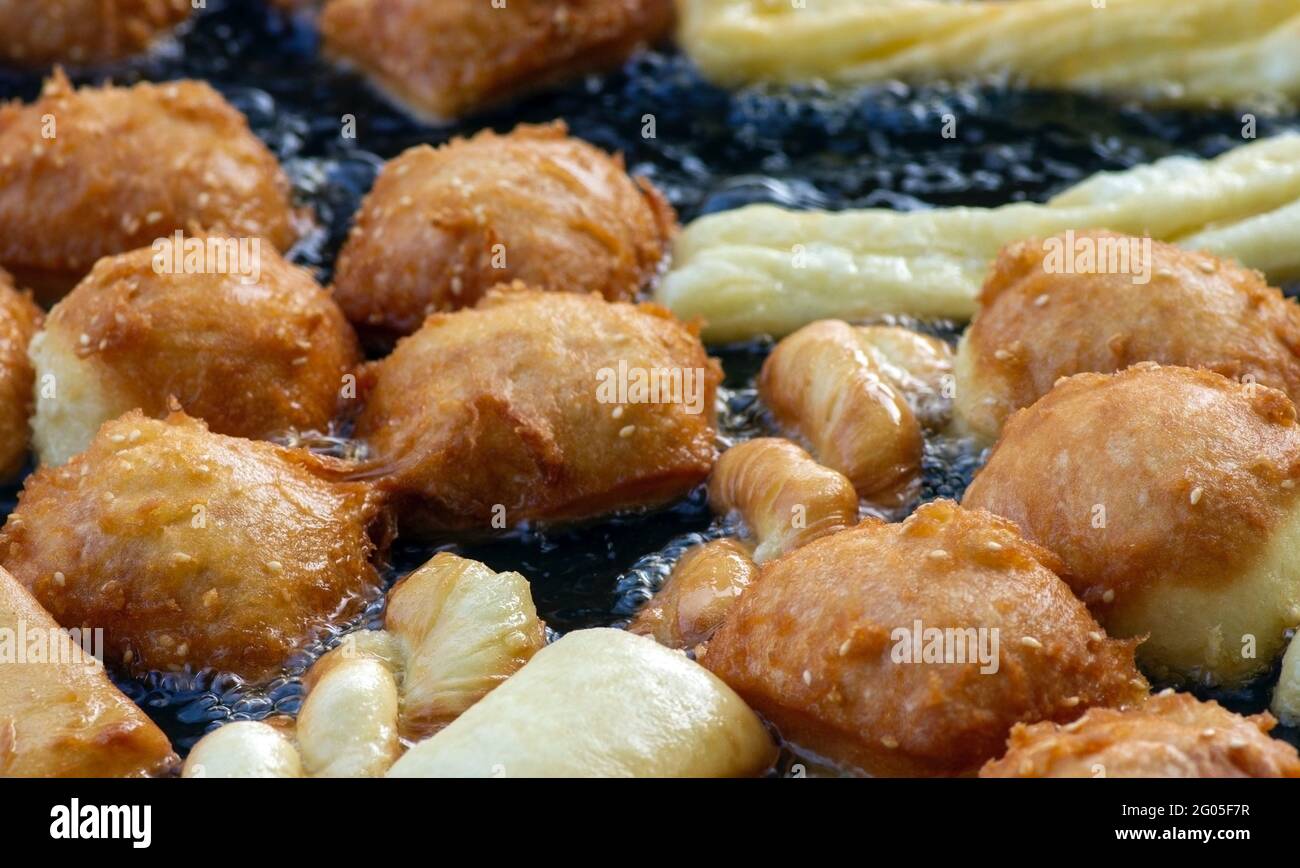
[19,320]
[1153,483]
[494,412]
[442,226]
[35,33]
[811,645]
[64,718]
[1198,311]
[250,359]
[444,59]
[696,597]
[123,167]
[193,549]
[1171,735]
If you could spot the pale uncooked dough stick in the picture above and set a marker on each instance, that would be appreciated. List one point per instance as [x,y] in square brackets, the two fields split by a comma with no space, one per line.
[1190,51]
[764,269]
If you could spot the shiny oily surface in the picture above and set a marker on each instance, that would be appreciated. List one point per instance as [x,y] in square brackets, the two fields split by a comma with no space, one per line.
[712,150]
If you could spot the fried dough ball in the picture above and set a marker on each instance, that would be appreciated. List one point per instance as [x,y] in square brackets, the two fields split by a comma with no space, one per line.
[253,352]
[193,549]
[875,647]
[97,171]
[785,498]
[1170,496]
[510,412]
[444,59]
[1036,325]
[823,383]
[60,716]
[19,320]
[36,33]
[703,586]
[442,226]
[600,703]
[1171,735]
[245,749]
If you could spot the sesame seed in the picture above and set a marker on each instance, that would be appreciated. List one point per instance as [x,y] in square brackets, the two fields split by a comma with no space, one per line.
[1108,597]
[1071,701]
[1041,300]
[59,578]
[889,741]
[626,431]
[1195,496]
[807,677]
[618,412]
[993,546]
[1096,636]
[937,554]
[844,646]
[1030,642]
[274,566]
[1001,355]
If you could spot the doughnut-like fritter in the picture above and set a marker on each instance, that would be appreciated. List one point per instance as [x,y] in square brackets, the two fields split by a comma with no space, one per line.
[823,382]
[1171,735]
[912,648]
[19,320]
[92,172]
[444,59]
[600,703]
[442,226]
[702,588]
[60,716]
[35,33]
[193,549]
[1170,496]
[253,345]
[785,498]
[1151,302]
[515,410]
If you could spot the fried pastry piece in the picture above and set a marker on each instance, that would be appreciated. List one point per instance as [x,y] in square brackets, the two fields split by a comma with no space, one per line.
[822,383]
[1286,694]
[193,549]
[703,586]
[785,498]
[348,724]
[1170,496]
[912,648]
[245,749]
[514,411]
[1099,301]
[35,33]
[442,226]
[97,171]
[252,345]
[600,703]
[60,716]
[918,366]
[444,59]
[19,320]
[1171,735]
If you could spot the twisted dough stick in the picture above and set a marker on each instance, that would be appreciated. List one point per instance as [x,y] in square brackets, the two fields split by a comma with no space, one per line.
[1185,51]
[763,269]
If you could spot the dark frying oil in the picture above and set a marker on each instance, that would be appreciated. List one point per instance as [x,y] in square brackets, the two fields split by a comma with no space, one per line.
[711,150]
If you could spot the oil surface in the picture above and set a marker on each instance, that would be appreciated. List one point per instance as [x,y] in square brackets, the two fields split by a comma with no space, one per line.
[711,150]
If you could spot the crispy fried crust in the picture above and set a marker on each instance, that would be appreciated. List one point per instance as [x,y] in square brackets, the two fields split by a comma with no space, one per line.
[250,358]
[97,171]
[1171,735]
[694,600]
[443,226]
[37,33]
[1037,325]
[447,58]
[192,549]
[19,320]
[813,644]
[494,412]
[1161,489]
[65,718]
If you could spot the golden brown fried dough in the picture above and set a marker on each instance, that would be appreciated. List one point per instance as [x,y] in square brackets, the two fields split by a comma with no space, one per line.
[702,588]
[835,644]
[447,58]
[785,498]
[36,33]
[60,716]
[510,412]
[253,346]
[918,366]
[1170,496]
[193,549]
[443,226]
[823,383]
[19,320]
[1155,302]
[97,171]
[1171,735]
